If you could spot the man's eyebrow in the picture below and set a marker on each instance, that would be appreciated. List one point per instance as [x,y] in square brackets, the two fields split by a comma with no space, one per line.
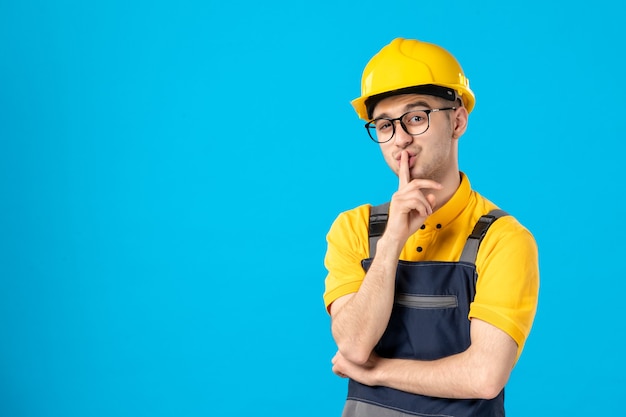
[407,108]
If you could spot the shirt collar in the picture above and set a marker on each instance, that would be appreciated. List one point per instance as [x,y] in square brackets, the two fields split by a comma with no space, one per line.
[453,207]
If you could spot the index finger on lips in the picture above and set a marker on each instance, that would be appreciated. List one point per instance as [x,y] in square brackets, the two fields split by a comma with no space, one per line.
[404,174]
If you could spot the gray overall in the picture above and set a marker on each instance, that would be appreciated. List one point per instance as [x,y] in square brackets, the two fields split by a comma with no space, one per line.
[429,320]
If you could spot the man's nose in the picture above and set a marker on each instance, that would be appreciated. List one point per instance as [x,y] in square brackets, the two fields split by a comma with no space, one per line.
[402,138]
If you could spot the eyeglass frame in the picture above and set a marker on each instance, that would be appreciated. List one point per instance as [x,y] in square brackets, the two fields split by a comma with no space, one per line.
[399,119]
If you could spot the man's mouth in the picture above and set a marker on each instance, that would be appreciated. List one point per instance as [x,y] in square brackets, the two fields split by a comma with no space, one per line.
[412,158]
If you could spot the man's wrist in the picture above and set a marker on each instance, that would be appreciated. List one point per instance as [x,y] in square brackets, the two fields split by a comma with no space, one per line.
[390,247]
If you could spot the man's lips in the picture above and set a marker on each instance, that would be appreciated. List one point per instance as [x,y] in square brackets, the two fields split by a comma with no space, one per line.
[412,158]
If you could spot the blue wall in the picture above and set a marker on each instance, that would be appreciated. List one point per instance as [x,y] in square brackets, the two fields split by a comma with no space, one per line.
[169,170]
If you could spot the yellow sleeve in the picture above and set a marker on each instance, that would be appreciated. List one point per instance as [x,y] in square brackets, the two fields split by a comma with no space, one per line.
[508,280]
[348,245]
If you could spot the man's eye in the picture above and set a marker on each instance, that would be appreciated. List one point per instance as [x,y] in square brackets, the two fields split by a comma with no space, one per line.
[414,119]
[383,125]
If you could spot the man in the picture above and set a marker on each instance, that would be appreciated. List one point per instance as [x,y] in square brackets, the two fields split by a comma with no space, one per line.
[428,320]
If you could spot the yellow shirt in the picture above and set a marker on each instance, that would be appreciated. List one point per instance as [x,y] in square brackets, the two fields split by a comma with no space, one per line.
[507,261]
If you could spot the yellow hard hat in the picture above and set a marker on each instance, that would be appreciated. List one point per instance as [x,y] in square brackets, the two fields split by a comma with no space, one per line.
[411,66]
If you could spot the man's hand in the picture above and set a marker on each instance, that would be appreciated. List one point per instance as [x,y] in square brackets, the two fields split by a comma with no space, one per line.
[364,373]
[410,205]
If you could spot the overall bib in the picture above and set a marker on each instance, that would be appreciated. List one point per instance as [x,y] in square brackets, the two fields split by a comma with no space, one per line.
[429,320]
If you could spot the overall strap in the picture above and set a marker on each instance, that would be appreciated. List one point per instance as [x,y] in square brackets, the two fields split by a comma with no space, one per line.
[470,250]
[378,221]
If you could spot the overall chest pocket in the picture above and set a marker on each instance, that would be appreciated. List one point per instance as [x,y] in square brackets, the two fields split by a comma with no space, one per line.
[427,301]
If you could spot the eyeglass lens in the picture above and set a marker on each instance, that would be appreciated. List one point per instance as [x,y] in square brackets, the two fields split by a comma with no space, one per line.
[413,123]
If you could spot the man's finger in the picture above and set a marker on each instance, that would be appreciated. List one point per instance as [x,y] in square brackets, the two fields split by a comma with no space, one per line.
[404,173]
[431,200]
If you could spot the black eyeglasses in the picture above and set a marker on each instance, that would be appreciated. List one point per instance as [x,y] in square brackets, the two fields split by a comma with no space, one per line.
[414,123]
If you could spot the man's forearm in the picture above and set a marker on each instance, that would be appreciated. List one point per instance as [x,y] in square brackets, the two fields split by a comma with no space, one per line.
[359,324]
[452,377]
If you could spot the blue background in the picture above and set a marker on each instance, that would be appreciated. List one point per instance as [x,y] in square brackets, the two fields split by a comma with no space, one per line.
[168,172]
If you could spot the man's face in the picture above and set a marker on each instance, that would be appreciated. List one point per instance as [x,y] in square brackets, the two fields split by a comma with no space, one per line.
[433,154]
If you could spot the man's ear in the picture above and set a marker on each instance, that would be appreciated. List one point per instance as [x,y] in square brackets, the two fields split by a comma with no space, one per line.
[459,124]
